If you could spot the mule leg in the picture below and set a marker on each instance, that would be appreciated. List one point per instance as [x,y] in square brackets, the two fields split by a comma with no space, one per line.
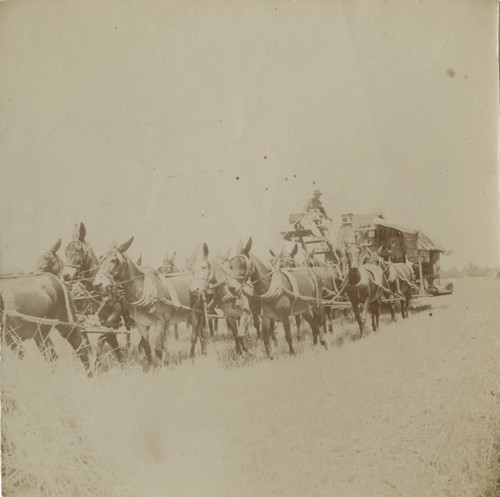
[257,321]
[288,334]
[44,343]
[364,312]
[203,339]
[272,331]
[194,338]
[232,324]
[159,340]
[316,320]
[78,340]
[198,331]
[144,343]
[101,340]
[320,319]
[245,318]
[113,342]
[329,317]
[375,310]
[359,319]
[298,322]
[392,308]
[408,302]
[266,325]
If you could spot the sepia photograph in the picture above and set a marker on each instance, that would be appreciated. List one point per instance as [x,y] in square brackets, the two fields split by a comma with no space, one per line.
[249,248]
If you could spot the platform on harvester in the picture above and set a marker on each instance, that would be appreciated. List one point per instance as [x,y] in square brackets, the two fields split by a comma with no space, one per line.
[310,241]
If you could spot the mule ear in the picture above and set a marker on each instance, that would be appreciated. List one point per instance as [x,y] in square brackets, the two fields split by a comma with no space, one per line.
[272,253]
[379,251]
[166,257]
[172,260]
[205,250]
[139,261]
[228,254]
[56,247]
[124,246]
[294,251]
[248,246]
[82,232]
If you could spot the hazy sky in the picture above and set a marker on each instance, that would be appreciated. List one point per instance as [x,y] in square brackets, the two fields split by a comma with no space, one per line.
[180,122]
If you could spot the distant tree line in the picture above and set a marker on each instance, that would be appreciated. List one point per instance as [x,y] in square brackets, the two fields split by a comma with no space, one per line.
[470,270]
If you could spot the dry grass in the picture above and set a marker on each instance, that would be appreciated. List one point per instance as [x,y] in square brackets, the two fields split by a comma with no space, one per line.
[413,410]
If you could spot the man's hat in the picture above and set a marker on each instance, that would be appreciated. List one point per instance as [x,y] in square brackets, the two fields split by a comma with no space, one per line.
[317,192]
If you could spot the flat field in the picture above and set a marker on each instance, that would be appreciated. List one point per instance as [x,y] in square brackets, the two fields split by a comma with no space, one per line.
[413,410]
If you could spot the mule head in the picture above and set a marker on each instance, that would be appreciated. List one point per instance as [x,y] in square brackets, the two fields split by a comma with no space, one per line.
[240,266]
[353,255]
[202,271]
[284,259]
[77,253]
[50,262]
[114,266]
[168,265]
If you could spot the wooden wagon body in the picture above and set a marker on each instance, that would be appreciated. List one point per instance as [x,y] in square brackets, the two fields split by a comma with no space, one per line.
[397,243]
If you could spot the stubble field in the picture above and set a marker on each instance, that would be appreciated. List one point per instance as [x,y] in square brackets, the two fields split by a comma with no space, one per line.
[410,411]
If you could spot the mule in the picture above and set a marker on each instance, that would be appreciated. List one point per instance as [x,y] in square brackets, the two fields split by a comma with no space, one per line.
[34,303]
[283,293]
[80,269]
[365,287]
[332,281]
[212,275]
[155,300]
[399,278]
[285,260]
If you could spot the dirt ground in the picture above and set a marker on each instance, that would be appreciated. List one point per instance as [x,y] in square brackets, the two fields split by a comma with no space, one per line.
[412,410]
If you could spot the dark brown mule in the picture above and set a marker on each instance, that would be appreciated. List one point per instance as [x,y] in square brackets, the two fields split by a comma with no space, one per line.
[399,279]
[332,281]
[34,303]
[81,262]
[283,293]
[155,300]
[80,269]
[212,275]
[285,260]
[364,286]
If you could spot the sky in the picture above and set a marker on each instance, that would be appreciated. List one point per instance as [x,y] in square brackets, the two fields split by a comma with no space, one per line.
[184,122]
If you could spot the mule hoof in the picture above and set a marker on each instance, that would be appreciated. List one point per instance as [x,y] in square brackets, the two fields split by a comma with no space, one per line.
[324,345]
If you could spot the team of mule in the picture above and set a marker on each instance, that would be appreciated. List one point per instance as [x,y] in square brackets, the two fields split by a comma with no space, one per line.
[242,289]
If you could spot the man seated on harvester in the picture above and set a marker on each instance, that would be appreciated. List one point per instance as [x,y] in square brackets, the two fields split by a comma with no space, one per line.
[314,215]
